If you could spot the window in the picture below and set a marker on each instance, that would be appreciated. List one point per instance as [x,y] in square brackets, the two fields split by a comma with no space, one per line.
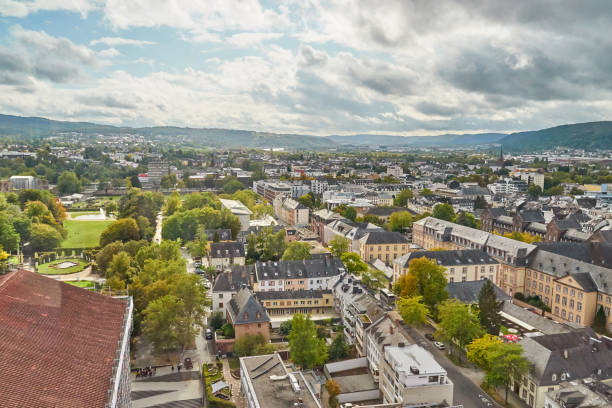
[546,300]
[565,290]
[563,313]
[573,292]
[607,311]
[579,295]
[464,270]
[433,379]
[578,306]
[452,270]
[557,297]
[599,297]
[578,318]
[571,303]
[220,295]
[557,310]
[571,317]
[220,305]
[608,300]
[564,301]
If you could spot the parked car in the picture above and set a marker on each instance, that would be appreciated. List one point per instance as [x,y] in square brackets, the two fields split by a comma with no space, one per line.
[430,337]
[197,264]
[439,345]
[199,271]
[209,334]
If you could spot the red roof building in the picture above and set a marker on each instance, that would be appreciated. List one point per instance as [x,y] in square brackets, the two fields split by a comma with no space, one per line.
[62,346]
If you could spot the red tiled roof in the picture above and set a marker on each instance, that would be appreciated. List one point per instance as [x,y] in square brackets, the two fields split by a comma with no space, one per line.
[57,342]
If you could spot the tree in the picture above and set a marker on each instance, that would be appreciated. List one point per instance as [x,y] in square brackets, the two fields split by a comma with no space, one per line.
[333,389]
[480,203]
[43,237]
[479,350]
[489,308]
[412,310]
[285,327]
[161,318]
[444,211]
[507,363]
[534,191]
[523,237]
[350,213]
[400,220]
[338,348]
[426,192]
[110,207]
[406,286]
[232,186]
[9,238]
[173,204]
[68,183]
[297,251]
[458,324]
[250,345]
[374,279]
[124,229]
[403,197]
[121,267]
[430,281]
[168,181]
[576,191]
[554,191]
[599,322]
[262,210]
[216,320]
[353,263]
[306,349]
[338,245]
[467,219]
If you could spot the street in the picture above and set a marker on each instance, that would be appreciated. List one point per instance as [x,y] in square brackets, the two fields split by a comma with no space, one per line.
[465,391]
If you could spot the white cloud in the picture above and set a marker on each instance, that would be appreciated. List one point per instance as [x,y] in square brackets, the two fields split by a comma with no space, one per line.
[13,8]
[117,41]
[244,40]
[109,53]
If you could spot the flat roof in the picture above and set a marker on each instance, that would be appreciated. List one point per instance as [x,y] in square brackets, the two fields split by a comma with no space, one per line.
[276,393]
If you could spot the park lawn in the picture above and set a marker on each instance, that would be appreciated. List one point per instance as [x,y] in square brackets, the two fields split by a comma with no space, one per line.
[48,269]
[77,213]
[81,284]
[84,234]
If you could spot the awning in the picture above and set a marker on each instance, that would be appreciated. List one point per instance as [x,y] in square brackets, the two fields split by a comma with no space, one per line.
[517,321]
[218,386]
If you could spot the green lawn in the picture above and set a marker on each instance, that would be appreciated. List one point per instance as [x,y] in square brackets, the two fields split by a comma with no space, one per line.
[77,213]
[84,234]
[49,268]
[82,284]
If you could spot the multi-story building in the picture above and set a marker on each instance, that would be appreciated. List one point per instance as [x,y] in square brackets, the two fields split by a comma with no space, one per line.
[309,274]
[239,210]
[460,265]
[384,245]
[318,186]
[395,171]
[226,286]
[530,176]
[265,382]
[584,394]
[269,190]
[291,211]
[557,358]
[247,315]
[282,305]
[156,169]
[223,255]
[386,331]
[508,186]
[27,183]
[54,336]
[411,375]
[320,219]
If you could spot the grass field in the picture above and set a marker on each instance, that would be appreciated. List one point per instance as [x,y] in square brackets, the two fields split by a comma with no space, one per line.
[82,284]
[84,234]
[49,269]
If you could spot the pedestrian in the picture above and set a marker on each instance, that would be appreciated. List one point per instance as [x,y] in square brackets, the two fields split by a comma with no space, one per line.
[154,370]
[172,367]
[179,367]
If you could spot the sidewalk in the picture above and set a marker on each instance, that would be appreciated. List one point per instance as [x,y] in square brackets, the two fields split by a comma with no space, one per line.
[237,396]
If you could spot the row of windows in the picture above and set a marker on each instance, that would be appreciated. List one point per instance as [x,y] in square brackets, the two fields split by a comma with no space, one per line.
[295,302]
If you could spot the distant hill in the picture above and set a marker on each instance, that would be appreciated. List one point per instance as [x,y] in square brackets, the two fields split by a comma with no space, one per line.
[449,140]
[588,136]
[31,128]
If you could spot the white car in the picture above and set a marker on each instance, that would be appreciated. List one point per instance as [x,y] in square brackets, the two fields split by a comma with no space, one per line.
[439,345]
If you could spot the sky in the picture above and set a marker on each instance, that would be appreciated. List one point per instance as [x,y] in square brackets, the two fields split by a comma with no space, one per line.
[403,67]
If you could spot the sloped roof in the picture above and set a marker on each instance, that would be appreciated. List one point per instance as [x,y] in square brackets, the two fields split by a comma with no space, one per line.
[532,216]
[450,257]
[467,292]
[233,280]
[226,249]
[383,238]
[58,342]
[310,268]
[244,309]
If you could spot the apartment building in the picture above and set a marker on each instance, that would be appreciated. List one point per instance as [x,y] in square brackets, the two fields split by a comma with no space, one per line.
[311,274]
[269,190]
[460,265]
[395,171]
[411,375]
[226,286]
[388,330]
[562,357]
[384,245]
[291,211]
[284,304]
[156,170]
[222,255]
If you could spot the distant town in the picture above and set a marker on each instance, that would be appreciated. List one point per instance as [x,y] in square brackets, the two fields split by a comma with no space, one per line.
[137,273]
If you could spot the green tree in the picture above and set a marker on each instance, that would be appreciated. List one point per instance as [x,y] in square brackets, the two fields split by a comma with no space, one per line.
[68,183]
[507,364]
[534,191]
[479,350]
[403,197]
[575,191]
[261,210]
[430,281]
[168,181]
[306,349]
[232,186]
[297,251]
[285,327]
[338,348]
[350,213]
[110,207]
[333,390]
[216,320]
[467,219]
[121,267]
[338,245]
[489,307]
[43,237]
[9,238]
[458,325]
[251,345]
[412,310]
[124,229]
[173,204]
[444,211]
[426,192]
[374,279]
[353,263]
[400,220]
[161,320]
[599,322]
